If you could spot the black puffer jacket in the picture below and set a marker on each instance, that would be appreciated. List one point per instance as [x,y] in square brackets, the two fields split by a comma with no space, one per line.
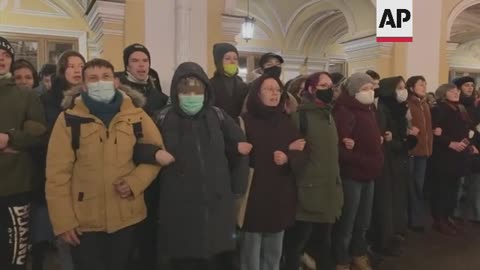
[152,91]
[229,92]
[196,201]
[231,103]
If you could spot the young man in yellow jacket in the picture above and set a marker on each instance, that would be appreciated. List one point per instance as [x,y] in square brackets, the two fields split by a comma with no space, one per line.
[94,190]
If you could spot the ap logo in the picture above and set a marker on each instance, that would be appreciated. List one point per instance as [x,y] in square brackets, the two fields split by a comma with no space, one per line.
[394,21]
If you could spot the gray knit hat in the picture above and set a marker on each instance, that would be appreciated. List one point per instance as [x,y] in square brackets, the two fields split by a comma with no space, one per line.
[355,82]
[441,93]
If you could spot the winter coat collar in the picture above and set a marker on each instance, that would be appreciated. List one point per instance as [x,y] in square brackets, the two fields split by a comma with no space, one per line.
[351,102]
[131,96]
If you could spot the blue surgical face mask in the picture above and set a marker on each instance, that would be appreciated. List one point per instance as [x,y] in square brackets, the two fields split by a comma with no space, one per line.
[191,104]
[101,91]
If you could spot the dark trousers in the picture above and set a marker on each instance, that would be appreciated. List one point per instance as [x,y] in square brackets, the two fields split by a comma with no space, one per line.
[215,263]
[318,237]
[14,231]
[389,215]
[444,190]
[104,251]
[145,240]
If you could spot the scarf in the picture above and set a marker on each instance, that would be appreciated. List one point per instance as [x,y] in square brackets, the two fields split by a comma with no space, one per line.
[6,76]
[104,111]
[132,79]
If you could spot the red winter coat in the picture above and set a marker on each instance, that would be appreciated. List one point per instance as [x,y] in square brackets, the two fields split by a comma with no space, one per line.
[358,122]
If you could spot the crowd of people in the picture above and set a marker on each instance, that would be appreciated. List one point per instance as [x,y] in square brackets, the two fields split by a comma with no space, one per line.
[323,172]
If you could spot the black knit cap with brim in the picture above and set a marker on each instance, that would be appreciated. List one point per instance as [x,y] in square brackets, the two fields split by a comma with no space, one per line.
[459,82]
[264,59]
[5,45]
[136,47]
[219,51]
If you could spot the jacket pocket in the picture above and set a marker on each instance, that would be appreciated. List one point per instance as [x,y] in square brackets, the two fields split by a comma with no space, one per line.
[89,142]
[86,209]
[124,142]
[131,208]
[312,198]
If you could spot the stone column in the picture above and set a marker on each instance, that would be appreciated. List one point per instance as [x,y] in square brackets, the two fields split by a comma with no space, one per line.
[106,21]
[183,9]
[175,32]
[423,54]
[365,53]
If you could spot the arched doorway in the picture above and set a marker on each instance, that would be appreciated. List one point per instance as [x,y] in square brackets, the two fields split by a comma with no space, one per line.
[464,40]
[306,32]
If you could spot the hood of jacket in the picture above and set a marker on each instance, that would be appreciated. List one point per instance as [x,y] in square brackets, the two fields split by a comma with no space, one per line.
[388,96]
[255,104]
[388,86]
[190,69]
[137,98]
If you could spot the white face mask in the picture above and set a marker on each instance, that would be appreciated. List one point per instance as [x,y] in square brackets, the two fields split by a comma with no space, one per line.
[402,95]
[365,97]
[101,91]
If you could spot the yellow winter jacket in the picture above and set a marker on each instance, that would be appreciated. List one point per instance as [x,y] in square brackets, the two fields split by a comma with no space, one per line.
[80,184]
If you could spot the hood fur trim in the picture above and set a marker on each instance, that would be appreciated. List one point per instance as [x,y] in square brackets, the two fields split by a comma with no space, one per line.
[137,98]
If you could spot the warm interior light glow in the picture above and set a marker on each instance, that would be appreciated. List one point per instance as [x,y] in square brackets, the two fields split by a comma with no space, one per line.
[248,28]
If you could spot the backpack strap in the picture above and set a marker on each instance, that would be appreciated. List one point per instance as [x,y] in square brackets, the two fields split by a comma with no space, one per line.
[242,124]
[303,121]
[138,130]
[75,122]
[219,112]
[159,117]
[220,115]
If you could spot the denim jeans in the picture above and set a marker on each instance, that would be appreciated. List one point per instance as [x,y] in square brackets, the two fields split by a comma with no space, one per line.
[417,205]
[355,220]
[261,251]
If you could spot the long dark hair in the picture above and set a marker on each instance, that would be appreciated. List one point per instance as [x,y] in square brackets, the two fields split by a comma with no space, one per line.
[60,83]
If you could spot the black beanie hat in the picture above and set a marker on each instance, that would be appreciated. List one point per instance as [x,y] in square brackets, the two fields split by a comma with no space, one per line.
[265,57]
[136,47]
[463,80]
[5,45]
[219,50]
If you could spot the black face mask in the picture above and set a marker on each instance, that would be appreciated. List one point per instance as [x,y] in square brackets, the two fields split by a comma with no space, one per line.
[274,71]
[325,95]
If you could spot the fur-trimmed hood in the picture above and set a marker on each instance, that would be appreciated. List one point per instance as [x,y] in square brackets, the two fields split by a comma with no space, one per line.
[137,98]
